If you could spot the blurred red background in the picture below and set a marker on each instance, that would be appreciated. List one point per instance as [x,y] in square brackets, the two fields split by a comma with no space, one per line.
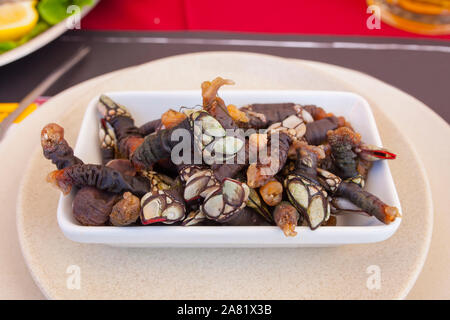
[327,17]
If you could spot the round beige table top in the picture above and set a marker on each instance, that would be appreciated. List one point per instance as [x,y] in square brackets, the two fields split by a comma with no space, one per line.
[250,71]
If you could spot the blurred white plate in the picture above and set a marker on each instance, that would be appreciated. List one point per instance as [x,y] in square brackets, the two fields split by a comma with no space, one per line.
[40,40]
[145,106]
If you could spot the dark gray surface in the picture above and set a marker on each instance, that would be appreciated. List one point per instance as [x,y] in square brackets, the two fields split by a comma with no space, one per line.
[423,74]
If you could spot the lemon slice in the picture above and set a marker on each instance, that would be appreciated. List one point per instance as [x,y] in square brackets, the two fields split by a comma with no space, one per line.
[17,19]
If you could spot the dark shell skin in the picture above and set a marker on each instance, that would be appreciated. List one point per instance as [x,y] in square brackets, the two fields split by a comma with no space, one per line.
[108,154]
[316,112]
[309,171]
[284,143]
[246,217]
[230,170]
[62,157]
[273,112]
[124,166]
[157,146]
[56,148]
[218,110]
[342,142]
[224,117]
[105,178]
[166,166]
[316,132]
[366,201]
[92,207]
[149,127]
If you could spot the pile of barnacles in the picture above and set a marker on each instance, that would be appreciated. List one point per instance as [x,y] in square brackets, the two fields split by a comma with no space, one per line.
[311,166]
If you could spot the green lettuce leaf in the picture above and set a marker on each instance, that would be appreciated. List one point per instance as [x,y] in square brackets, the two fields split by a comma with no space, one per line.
[7,45]
[82,3]
[54,11]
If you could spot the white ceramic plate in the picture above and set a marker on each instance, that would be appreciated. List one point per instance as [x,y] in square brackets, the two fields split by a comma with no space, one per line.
[39,41]
[118,273]
[146,106]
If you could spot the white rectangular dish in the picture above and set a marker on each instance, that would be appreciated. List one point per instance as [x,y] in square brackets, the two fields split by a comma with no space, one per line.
[145,106]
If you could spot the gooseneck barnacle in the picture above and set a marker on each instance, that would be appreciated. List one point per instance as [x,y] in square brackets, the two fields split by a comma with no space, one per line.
[285,165]
[305,192]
